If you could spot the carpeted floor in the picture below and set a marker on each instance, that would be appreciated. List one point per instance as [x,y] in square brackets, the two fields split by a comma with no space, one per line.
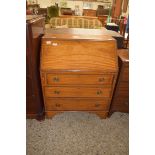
[78,133]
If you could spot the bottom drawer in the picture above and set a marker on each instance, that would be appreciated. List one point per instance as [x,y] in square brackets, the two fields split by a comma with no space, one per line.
[101,114]
[76,104]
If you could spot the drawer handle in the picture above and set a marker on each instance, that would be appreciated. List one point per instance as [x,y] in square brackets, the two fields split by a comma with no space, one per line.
[99,92]
[56,92]
[57,105]
[101,79]
[54,44]
[56,79]
[97,105]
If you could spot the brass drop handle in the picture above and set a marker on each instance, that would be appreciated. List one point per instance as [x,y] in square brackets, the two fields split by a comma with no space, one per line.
[54,44]
[99,92]
[97,105]
[101,79]
[57,105]
[56,92]
[56,79]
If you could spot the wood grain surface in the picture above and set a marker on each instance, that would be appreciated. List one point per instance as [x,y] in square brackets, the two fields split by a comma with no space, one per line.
[63,79]
[77,91]
[34,97]
[120,100]
[79,56]
[78,72]
[76,104]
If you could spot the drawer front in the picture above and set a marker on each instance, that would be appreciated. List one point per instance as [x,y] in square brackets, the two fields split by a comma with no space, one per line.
[125,74]
[76,104]
[54,79]
[77,92]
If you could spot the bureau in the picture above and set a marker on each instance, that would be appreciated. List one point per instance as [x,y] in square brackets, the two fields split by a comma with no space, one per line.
[78,73]
[120,101]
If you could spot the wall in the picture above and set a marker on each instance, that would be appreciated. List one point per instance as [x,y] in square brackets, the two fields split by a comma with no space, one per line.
[45,3]
[70,4]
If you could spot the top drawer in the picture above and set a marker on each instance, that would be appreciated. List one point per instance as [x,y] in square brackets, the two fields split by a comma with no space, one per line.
[54,79]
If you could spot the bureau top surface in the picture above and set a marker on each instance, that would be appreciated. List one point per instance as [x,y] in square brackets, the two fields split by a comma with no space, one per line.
[86,37]
[78,34]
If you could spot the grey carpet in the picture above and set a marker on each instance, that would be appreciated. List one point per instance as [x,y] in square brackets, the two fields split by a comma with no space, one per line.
[78,133]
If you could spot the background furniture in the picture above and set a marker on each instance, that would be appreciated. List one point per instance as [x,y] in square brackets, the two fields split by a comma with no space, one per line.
[117,8]
[42,11]
[34,100]
[66,11]
[122,26]
[75,22]
[101,11]
[89,12]
[120,101]
[126,43]
[103,19]
[52,11]
[78,72]
[112,26]
[125,5]
[33,7]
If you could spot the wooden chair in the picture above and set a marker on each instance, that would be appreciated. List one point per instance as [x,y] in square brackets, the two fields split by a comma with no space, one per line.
[122,26]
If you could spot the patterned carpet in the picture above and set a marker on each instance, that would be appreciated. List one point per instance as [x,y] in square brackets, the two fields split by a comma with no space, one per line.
[78,133]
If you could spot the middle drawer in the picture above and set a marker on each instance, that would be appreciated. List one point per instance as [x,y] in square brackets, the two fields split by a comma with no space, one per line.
[77,92]
[54,79]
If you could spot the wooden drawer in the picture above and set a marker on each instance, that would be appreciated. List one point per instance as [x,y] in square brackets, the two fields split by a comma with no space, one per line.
[76,104]
[53,79]
[77,92]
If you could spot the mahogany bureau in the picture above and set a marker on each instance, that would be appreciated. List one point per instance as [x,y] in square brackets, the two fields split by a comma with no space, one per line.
[78,73]
[120,101]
